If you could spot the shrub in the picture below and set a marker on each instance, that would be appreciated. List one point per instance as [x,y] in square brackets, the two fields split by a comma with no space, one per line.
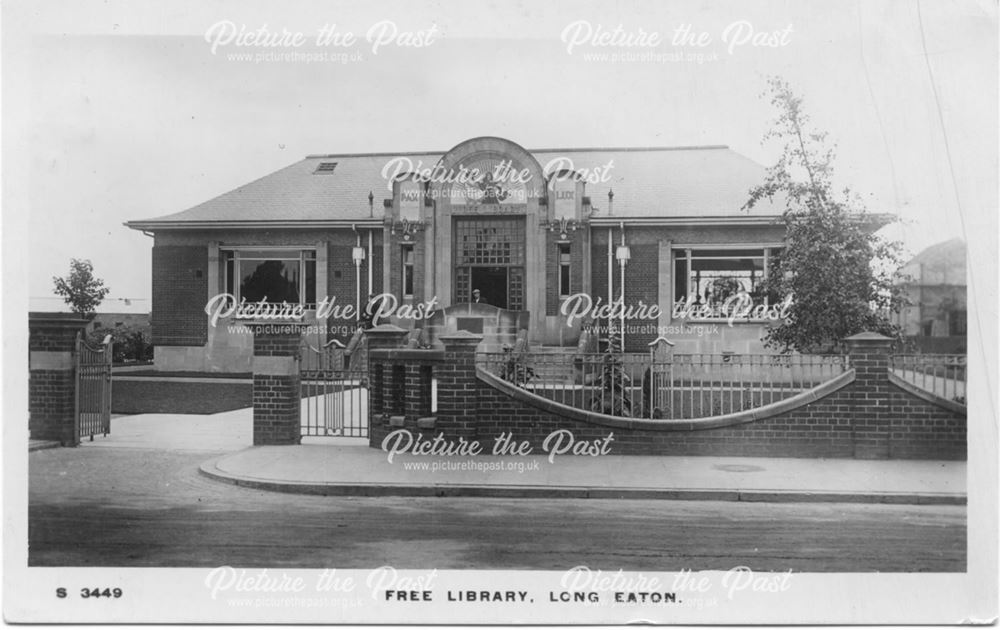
[130,344]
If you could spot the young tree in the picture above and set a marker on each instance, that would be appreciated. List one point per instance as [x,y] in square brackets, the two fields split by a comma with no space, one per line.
[837,270]
[612,383]
[80,289]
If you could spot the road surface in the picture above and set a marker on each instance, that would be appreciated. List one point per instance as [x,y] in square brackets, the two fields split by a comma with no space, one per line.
[134,507]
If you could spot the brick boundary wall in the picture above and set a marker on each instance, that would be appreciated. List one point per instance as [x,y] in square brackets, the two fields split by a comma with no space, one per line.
[867,418]
[51,399]
[910,429]
[132,395]
[52,376]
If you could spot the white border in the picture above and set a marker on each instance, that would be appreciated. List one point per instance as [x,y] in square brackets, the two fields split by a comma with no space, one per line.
[177,595]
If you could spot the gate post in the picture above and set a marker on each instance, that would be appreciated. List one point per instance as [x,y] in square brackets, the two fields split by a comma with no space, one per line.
[52,376]
[277,404]
[383,390]
[869,356]
[458,404]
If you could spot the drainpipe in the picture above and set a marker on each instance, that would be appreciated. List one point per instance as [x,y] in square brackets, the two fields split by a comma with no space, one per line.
[611,267]
[622,265]
[371,261]
[433,245]
[357,283]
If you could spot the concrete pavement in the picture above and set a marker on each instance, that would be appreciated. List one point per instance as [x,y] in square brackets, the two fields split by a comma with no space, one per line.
[359,470]
[226,431]
[332,466]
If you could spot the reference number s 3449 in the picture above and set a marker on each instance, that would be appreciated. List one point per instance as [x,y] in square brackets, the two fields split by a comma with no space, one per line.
[92,593]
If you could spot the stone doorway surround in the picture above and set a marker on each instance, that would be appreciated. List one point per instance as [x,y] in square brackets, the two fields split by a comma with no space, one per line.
[439,241]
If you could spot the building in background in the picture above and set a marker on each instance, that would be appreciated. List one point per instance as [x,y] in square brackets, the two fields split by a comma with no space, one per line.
[132,313]
[935,282]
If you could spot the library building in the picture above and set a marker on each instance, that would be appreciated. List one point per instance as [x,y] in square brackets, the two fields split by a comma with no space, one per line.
[487,236]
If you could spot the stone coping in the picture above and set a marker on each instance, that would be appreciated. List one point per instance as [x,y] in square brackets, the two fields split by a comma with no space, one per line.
[711,422]
[417,354]
[930,397]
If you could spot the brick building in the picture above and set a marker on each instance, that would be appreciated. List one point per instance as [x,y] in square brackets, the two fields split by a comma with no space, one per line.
[542,234]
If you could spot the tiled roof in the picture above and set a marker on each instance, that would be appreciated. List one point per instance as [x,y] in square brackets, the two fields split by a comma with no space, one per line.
[656,182]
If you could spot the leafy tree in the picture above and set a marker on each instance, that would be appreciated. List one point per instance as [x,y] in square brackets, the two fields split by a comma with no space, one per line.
[80,289]
[838,272]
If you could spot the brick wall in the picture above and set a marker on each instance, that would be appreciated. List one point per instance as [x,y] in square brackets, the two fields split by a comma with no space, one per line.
[867,418]
[180,290]
[51,397]
[921,430]
[276,409]
[342,277]
[52,376]
[641,285]
[52,339]
[267,344]
[457,400]
[400,385]
[599,265]
[133,395]
[342,281]
[830,427]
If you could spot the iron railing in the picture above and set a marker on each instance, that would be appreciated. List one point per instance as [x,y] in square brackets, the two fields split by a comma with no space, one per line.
[93,387]
[943,375]
[682,386]
[334,397]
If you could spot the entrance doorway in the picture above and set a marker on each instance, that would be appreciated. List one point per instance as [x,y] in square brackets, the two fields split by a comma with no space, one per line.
[489,256]
[492,284]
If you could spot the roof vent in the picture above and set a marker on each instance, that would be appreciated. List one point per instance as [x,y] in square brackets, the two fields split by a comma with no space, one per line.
[325,167]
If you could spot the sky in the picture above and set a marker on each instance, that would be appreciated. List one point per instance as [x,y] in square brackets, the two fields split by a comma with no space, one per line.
[119,111]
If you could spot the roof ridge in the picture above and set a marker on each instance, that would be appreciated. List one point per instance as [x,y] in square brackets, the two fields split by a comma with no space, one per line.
[693,147]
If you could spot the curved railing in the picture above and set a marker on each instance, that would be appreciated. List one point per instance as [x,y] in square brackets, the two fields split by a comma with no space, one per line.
[679,387]
[938,378]
[710,422]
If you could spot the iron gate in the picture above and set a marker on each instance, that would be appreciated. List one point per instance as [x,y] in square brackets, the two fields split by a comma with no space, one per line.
[334,392]
[93,388]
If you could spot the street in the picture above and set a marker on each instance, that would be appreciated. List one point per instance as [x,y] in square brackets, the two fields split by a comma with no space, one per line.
[140,507]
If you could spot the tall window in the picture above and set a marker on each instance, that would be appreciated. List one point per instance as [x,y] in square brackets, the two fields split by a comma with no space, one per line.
[277,275]
[564,268]
[709,277]
[407,262]
[957,323]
